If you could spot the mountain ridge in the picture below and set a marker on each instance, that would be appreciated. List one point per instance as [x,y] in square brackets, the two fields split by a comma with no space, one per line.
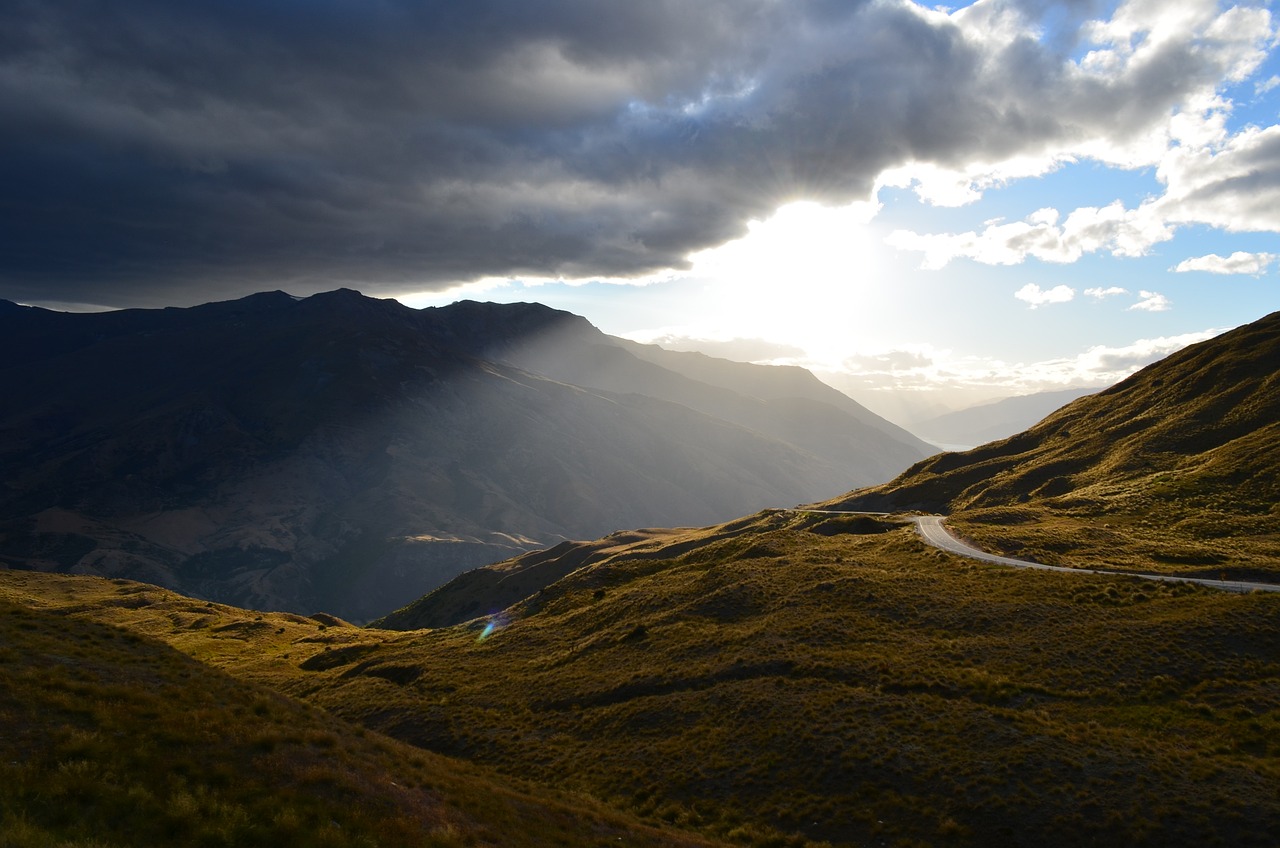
[346,452]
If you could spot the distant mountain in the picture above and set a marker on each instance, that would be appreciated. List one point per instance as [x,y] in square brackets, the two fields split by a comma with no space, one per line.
[1177,466]
[997,419]
[348,454]
[785,403]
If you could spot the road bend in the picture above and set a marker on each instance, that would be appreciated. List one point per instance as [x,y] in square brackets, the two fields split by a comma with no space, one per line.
[932,531]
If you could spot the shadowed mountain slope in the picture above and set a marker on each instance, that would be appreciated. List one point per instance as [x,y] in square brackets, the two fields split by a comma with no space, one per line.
[349,454]
[1184,456]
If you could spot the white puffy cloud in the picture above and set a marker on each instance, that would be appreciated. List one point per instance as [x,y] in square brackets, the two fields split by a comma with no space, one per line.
[1112,228]
[1234,186]
[1239,262]
[1210,176]
[927,369]
[1100,293]
[1151,302]
[1036,296]
[1106,363]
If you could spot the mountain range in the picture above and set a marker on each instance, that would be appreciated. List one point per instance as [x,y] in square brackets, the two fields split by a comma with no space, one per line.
[348,454]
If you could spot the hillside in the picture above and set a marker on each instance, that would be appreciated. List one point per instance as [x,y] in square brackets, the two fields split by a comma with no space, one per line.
[790,678]
[349,454]
[114,738]
[1175,469]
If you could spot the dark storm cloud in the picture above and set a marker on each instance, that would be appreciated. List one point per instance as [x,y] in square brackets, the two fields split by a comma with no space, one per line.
[161,152]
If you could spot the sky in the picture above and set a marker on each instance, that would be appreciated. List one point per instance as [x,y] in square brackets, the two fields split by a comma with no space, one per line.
[924,204]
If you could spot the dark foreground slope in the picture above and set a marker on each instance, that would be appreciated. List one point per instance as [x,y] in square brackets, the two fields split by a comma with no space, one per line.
[348,454]
[1177,468]
[111,737]
[790,678]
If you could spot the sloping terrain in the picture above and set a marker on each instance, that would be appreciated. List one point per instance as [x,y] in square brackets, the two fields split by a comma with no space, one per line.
[349,454]
[111,737]
[791,678]
[1175,469]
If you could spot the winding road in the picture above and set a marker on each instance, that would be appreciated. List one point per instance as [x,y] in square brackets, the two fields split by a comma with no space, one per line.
[931,529]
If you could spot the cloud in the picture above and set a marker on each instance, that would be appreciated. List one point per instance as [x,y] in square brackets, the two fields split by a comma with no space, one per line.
[1111,228]
[1211,177]
[1239,262]
[1036,296]
[1101,293]
[1097,365]
[154,152]
[1115,363]
[889,362]
[738,350]
[1151,302]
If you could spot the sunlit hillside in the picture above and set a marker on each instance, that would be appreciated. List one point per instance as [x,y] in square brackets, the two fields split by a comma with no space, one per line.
[113,737]
[1176,469]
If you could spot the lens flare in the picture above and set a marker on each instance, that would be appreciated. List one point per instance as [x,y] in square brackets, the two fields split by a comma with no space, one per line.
[495,623]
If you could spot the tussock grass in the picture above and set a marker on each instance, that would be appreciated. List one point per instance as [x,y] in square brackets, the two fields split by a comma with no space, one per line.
[113,738]
[1174,470]
[778,686]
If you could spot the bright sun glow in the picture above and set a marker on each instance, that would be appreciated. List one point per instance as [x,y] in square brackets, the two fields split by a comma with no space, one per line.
[795,278]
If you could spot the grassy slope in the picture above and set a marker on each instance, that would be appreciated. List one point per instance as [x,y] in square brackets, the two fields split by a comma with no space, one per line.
[780,676]
[111,737]
[1176,469]
[488,590]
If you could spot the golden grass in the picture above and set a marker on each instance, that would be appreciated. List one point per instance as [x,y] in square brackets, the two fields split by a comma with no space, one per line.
[770,684]
[1174,470]
[113,738]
